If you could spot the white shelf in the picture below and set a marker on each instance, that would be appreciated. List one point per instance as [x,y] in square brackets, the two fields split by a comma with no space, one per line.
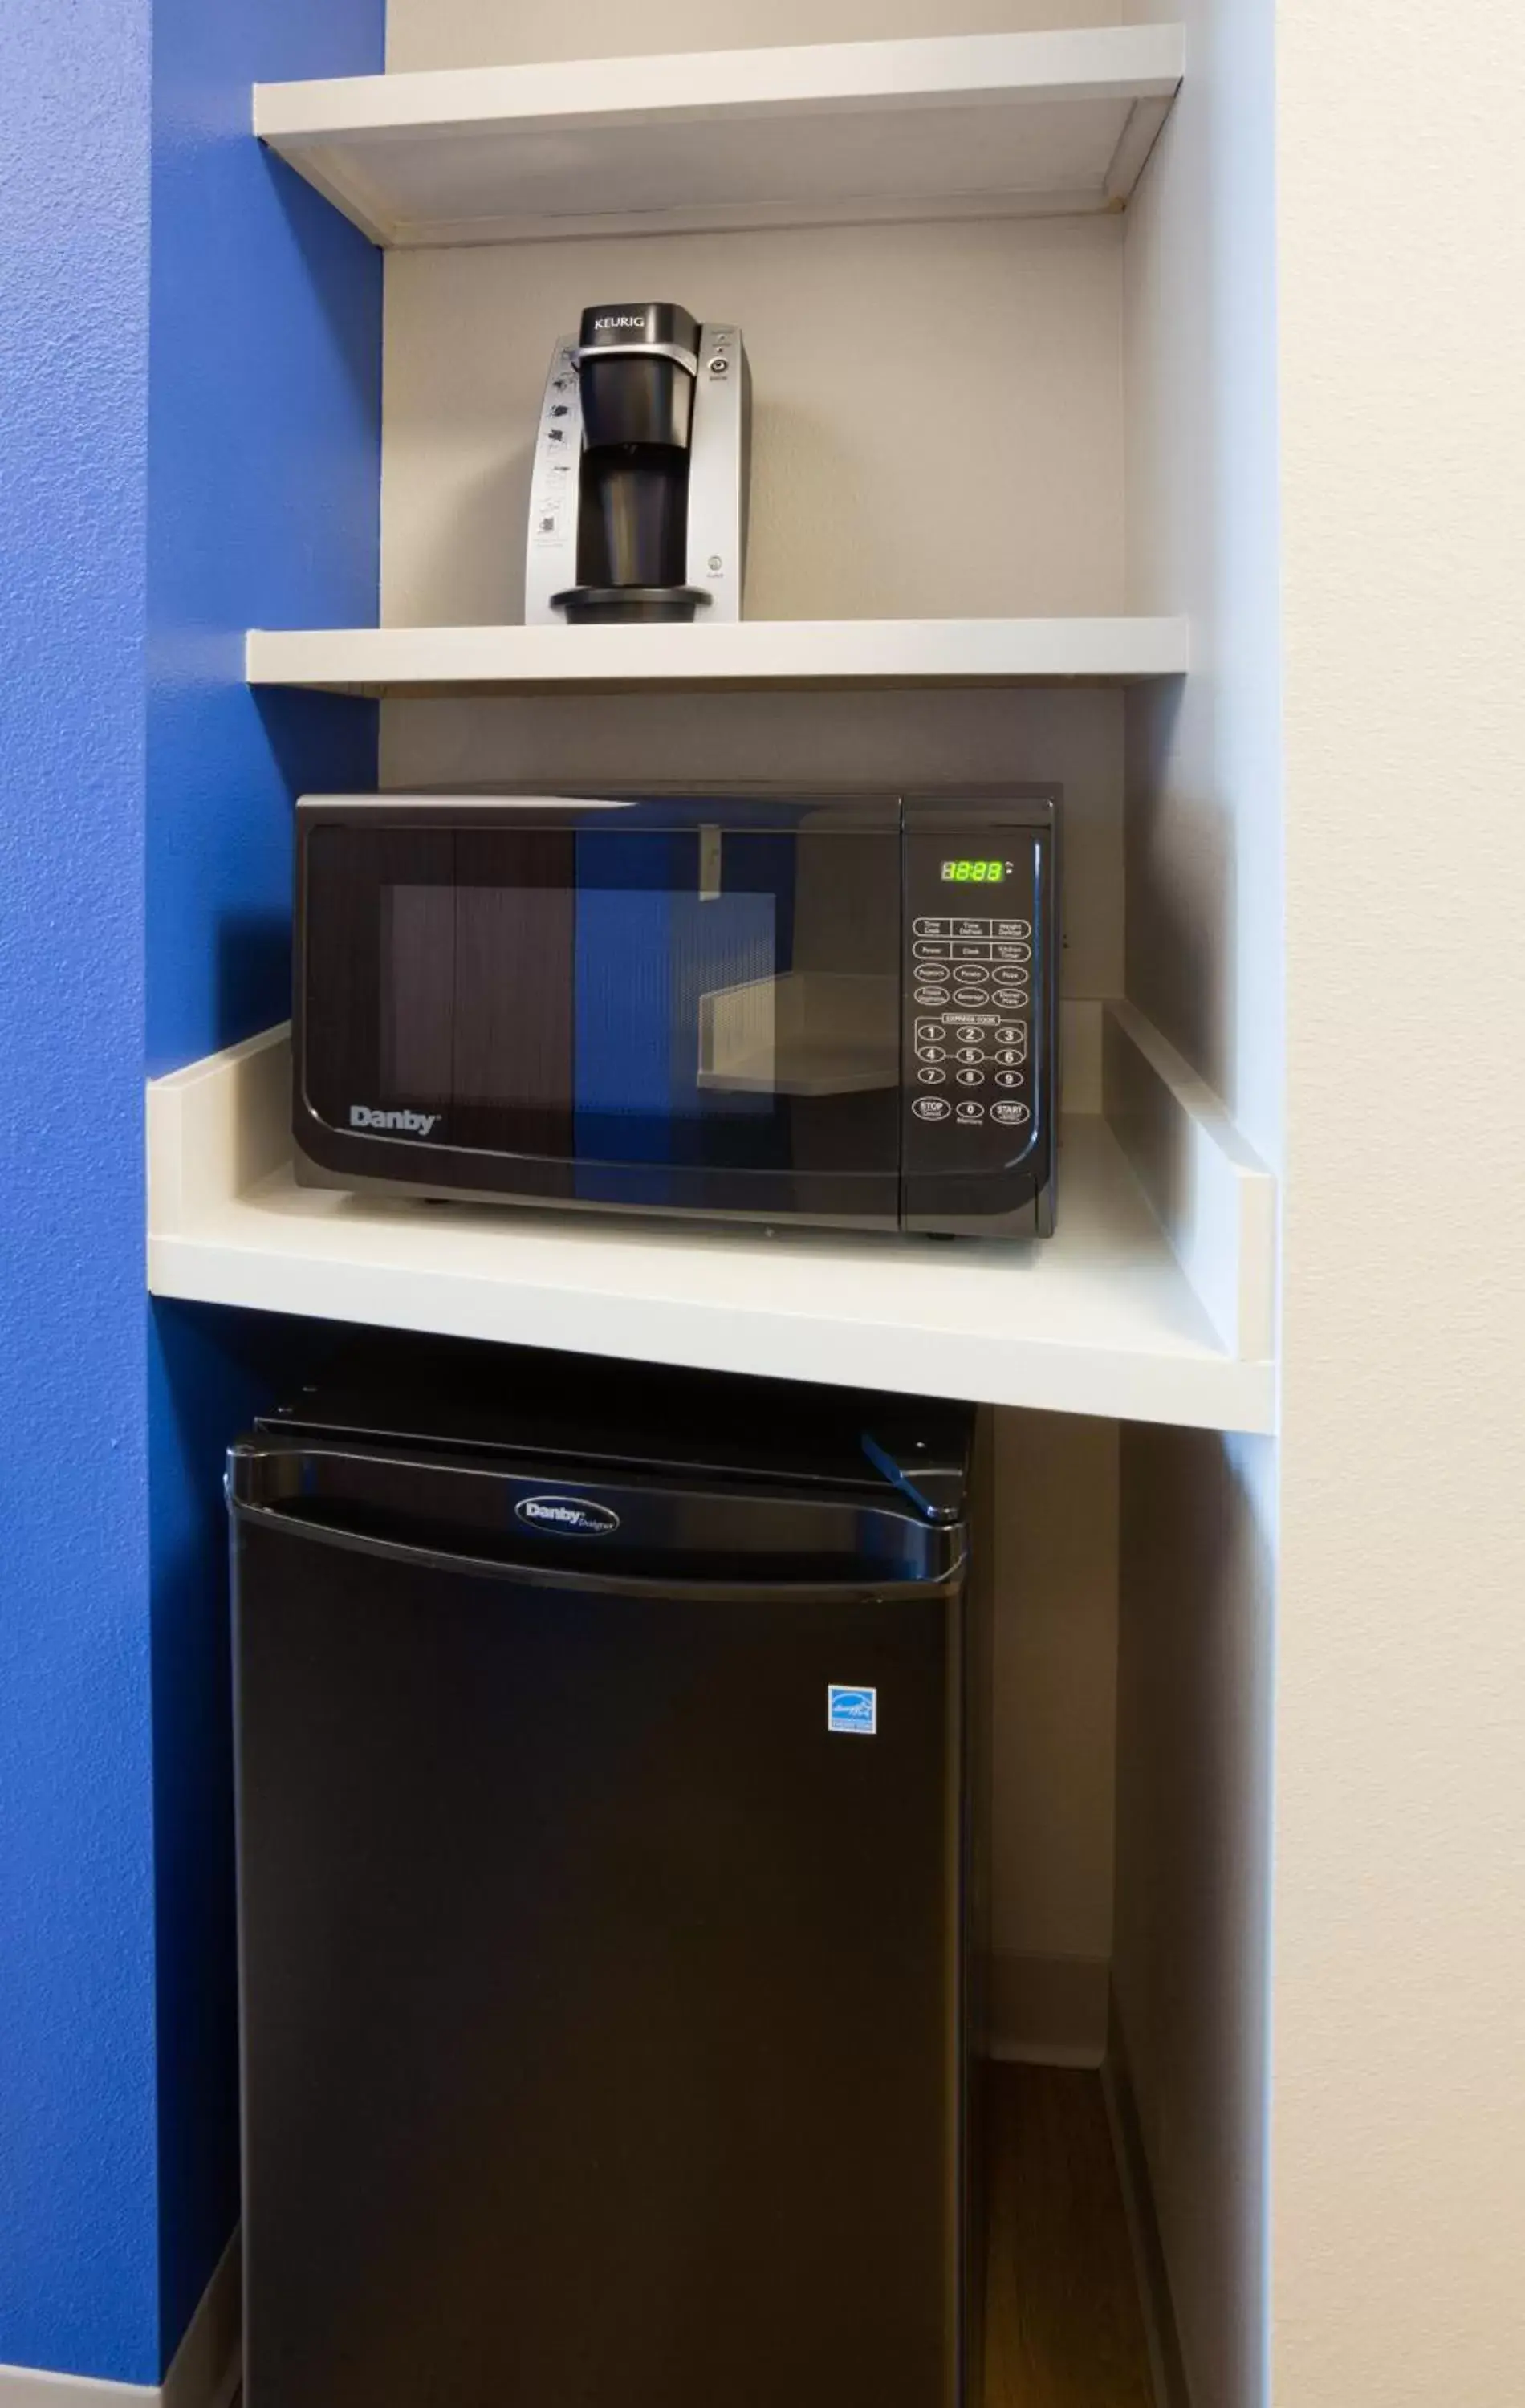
[970,125]
[1107,1317]
[751,653]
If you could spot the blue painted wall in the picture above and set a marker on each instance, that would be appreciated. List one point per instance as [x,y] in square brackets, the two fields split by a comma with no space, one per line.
[77,2083]
[264,498]
[188,445]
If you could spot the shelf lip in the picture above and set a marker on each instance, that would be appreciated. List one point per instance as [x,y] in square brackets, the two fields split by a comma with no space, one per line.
[1102,1319]
[362,139]
[752,651]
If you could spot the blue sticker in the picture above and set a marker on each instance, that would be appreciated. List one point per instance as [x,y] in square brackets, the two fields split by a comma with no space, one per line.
[852,1709]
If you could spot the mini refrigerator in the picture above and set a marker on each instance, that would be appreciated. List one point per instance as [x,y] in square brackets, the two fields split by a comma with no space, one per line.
[611,1798]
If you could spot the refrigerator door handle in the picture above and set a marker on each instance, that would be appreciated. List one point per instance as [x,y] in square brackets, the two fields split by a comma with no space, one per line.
[632,1585]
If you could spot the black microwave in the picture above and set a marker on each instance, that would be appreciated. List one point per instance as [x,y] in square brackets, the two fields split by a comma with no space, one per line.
[771,1005]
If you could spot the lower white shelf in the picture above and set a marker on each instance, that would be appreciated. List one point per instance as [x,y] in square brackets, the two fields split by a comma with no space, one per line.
[1111,1316]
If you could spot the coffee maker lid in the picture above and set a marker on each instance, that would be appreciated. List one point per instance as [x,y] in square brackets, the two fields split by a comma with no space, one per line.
[663,328]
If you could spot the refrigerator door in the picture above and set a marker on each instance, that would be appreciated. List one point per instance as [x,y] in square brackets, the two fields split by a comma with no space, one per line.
[602,1980]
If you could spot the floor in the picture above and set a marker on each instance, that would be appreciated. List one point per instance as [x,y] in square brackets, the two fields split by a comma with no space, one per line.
[1063,2325]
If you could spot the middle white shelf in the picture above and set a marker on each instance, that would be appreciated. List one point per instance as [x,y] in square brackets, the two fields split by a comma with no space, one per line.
[751,653]
[1152,1303]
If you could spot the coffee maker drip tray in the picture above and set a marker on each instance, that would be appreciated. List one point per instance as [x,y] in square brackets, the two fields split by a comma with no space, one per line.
[607,606]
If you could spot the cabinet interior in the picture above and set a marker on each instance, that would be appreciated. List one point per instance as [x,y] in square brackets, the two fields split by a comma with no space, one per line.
[992,416]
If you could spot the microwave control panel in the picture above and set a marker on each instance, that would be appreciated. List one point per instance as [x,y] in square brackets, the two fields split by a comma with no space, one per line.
[976,1035]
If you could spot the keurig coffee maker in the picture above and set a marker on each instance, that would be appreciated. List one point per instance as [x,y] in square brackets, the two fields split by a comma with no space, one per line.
[638,496]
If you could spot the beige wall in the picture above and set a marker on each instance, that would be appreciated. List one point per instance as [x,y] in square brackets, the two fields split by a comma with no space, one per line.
[1396,1503]
[1055,1655]
[1204,858]
[1190,1945]
[988,353]
[1204,820]
[1398,2135]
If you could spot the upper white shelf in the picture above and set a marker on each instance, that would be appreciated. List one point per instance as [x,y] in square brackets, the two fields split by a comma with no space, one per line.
[749,653]
[962,125]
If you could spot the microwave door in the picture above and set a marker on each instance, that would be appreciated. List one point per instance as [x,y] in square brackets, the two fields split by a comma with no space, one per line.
[700,1017]
[750,1001]
[655,934]
[476,1006]
[434,1013]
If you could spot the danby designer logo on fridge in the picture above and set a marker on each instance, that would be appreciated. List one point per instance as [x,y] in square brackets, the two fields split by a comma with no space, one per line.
[852,1709]
[573,1517]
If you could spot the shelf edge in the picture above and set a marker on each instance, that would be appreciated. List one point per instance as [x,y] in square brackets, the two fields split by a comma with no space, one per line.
[707,217]
[1213,1196]
[758,651]
[696,1332]
[1084,62]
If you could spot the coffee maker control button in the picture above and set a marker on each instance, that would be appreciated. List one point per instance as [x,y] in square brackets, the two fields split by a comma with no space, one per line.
[719,366]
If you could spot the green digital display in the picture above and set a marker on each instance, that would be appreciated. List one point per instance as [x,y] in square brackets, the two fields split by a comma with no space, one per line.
[974,873]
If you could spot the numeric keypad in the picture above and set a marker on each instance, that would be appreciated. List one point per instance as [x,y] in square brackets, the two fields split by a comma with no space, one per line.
[972,986]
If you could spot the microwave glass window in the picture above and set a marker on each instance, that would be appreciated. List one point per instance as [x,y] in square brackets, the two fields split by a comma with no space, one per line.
[603,997]
[687,1000]
[450,1033]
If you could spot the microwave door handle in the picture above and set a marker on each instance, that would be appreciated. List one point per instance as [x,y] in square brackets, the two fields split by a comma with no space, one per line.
[632,1585]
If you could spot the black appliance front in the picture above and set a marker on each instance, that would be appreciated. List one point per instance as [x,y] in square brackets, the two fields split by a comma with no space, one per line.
[605,1920]
[838,1010]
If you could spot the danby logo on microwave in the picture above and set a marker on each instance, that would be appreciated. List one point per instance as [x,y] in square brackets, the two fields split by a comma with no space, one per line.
[577,1516]
[404,1124]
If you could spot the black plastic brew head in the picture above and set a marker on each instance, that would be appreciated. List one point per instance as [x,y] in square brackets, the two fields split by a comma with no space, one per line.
[637,364]
[618,325]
